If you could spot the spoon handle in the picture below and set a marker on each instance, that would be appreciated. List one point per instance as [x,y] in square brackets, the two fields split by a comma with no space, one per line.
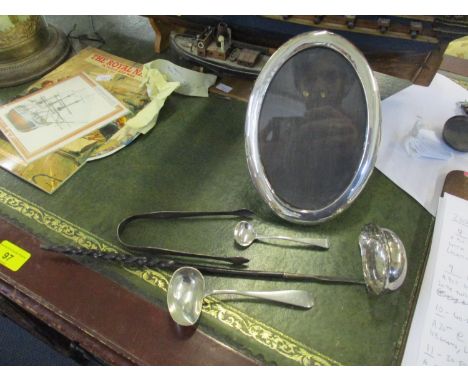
[322,243]
[298,298]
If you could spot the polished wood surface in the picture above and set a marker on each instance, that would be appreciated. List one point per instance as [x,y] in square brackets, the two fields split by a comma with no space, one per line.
[455,65]
[456,183]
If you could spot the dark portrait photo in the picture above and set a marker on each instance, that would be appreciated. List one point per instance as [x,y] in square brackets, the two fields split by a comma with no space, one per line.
[312,128]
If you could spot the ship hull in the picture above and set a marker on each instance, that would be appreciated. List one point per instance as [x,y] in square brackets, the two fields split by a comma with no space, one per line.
[402,50]
[181,43]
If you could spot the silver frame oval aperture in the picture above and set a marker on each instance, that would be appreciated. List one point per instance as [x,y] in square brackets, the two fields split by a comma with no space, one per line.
[357,60]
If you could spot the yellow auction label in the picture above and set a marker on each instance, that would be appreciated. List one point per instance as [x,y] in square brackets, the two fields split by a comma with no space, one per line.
[12,256]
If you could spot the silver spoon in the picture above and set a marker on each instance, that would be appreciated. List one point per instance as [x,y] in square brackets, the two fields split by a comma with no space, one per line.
[187,290]
[244,235]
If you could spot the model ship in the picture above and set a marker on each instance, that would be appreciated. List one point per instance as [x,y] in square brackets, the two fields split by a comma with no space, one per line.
[41,112]
[408,47]
[215,49]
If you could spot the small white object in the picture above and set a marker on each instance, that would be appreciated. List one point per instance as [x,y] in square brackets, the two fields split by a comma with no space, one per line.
[422,142]
[221,41]
[223,87]
[104,77]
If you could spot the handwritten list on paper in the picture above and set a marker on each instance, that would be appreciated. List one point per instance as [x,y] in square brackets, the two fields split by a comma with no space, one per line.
[443,321]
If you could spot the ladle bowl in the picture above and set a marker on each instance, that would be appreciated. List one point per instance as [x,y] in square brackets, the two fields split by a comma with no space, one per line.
[186,292]
[384,262]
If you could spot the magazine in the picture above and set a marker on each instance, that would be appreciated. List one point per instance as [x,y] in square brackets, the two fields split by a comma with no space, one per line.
[122,78]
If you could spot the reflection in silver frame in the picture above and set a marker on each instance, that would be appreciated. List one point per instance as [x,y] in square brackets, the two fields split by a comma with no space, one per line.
[340,45]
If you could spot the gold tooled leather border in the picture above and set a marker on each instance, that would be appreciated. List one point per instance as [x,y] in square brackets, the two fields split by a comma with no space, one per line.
[221,311]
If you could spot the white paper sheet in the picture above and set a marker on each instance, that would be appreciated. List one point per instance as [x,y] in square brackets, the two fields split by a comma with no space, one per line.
[422,178]
[439,330]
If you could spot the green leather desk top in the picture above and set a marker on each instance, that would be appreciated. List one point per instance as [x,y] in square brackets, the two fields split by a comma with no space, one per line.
[195,160]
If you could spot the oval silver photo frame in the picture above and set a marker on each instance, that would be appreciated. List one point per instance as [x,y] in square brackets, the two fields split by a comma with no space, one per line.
[313,127]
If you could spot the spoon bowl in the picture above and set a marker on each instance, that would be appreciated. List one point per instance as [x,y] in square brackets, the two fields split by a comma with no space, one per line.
[244,233]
